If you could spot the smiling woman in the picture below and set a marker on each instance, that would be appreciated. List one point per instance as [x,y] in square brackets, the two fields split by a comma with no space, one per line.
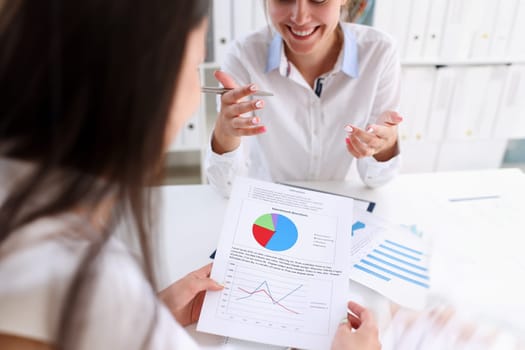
[336,88]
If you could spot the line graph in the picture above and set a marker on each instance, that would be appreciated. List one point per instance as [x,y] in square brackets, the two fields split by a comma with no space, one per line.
[268,298]
[269,294]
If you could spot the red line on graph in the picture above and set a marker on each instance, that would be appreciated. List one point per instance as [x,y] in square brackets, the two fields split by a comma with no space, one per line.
[269,296]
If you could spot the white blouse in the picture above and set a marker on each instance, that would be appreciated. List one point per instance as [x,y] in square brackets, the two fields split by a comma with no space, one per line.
[37,264]
[305,137]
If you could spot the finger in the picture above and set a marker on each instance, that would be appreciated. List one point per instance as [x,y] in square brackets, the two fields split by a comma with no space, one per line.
[354,321]
[251,131]
[365,316]
[361,148]
[364,136]
[355,308]
[197,307]
[244,122]
[389,118]
[380,131]
[352,149]
[225,79]
[203,271]
[237,93]
[203,284]
[243,107]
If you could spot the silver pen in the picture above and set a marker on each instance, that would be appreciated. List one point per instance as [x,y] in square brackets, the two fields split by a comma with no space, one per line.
[220,91]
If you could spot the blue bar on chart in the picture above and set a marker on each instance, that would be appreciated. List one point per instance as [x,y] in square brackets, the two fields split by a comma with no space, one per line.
[394,261]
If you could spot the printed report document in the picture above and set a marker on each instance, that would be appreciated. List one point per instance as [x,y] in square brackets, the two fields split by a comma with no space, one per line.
[283,260]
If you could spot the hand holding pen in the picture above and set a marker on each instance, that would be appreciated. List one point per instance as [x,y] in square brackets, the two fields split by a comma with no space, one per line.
[231,125]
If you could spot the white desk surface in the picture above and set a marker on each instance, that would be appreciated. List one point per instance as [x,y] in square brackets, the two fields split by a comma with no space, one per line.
[488,278]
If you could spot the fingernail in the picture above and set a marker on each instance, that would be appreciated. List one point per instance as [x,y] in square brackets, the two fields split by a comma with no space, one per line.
[253,87]
[255,120]
[263,129]
[348,129]
[370,129]
[259,104]
[347,141]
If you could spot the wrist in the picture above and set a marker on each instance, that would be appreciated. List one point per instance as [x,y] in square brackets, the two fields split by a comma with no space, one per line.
[221,143]
[388,153]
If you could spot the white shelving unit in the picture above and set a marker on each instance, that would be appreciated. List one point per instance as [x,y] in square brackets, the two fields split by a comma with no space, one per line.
[463,94]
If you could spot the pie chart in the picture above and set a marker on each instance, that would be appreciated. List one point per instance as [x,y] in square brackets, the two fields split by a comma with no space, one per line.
[275,232]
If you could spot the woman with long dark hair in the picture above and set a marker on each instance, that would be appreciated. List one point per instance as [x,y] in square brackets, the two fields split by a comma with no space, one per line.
[90,100]
[92,92]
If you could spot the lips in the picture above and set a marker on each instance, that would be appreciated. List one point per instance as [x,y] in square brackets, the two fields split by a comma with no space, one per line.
[302,33]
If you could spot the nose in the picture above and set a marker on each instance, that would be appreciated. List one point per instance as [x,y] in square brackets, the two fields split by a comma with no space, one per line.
[300,12]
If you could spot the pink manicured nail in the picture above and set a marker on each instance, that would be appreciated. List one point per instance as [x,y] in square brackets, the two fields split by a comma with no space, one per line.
[347,141]
[370,130]
[349,129]
[253,87]
[259,104]
[263,129]
[255,120]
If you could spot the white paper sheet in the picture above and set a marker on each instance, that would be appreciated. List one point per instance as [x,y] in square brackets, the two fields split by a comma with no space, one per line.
[390,259]
[283,259]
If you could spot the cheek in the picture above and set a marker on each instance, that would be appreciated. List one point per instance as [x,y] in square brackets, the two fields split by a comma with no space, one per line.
[277,14]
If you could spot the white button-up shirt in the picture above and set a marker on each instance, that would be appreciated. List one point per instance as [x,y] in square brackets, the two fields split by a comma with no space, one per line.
[305,137]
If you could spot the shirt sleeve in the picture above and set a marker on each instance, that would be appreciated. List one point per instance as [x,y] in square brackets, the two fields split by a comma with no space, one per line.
[372,172]
[221,169]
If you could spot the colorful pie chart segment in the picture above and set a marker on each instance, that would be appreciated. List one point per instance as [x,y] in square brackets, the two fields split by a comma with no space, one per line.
[275,232]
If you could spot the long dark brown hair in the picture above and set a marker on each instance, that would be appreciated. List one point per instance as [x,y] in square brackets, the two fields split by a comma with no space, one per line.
[85,88]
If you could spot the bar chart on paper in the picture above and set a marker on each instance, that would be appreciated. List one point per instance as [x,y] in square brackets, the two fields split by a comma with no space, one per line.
[390,259]
[254,296]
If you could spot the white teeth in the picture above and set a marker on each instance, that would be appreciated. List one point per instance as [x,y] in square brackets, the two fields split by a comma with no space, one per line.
[303,32]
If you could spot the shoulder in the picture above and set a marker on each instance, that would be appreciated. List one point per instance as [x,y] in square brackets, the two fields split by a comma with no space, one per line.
[37,263]
[120,308]
[370,38]
[257,40]
[250,51]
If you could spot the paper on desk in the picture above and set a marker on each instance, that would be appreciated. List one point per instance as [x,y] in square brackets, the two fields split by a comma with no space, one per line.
[283,259]
[390,259]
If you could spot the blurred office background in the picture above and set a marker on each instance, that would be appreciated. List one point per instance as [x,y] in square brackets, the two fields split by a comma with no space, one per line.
[463,88]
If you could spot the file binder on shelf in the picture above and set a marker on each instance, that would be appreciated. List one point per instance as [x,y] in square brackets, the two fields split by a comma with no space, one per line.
[390,17]
[189,138]
[416,95]
[483,35]
[516,44]
[511,114]
[242,12]
[503,25]
[434,30]
[416,29]
[473,107]
[441,99]
[460,22]
[222,28]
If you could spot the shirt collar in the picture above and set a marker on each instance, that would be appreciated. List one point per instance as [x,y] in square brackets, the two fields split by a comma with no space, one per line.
[349,65]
